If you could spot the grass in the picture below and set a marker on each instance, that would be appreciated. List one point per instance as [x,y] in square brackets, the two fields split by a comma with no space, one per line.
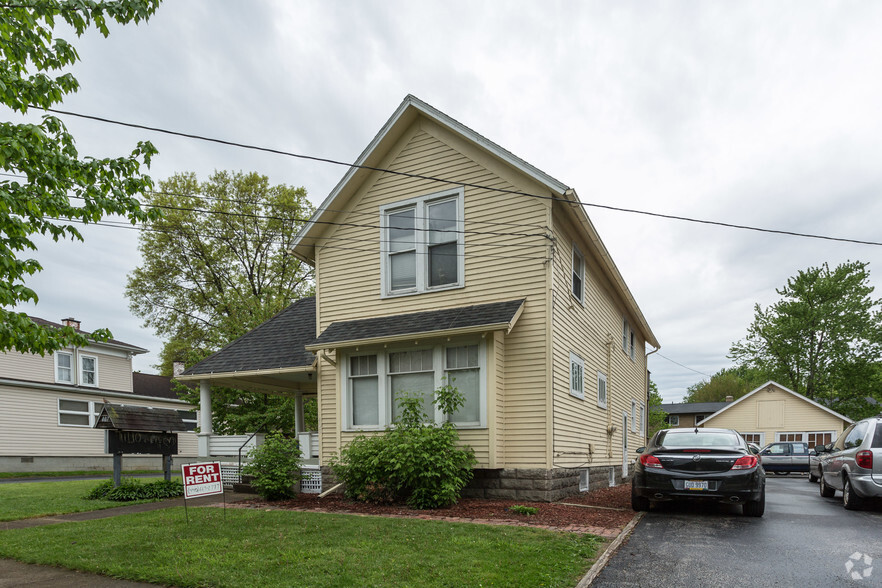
[25,500]
[5,475]
[284,548]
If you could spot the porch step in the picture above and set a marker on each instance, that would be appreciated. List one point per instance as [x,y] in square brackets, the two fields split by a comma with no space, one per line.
[245,485]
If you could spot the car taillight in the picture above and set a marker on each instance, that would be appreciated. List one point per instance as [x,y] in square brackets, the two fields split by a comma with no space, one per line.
[650,461]
[745,463]
[864,459]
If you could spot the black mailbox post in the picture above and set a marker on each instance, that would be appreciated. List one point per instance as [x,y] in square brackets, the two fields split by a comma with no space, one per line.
[140,430]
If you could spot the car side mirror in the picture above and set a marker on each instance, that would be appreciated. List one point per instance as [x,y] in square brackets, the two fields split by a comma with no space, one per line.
[641,449]
[754,451]
[819,449]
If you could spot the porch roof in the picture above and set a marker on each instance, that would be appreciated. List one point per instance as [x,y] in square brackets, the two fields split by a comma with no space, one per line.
[270,356]
[449,321]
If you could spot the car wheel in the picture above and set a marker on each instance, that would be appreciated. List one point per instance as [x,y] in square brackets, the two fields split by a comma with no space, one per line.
[781,473]
[755,508]
[812,477]
[638,503]
[850,499]
[826,491]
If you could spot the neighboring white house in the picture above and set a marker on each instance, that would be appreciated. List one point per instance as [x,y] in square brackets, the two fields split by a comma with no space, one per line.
[48,406]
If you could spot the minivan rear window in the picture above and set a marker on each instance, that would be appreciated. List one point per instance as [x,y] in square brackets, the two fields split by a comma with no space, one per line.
[877,437]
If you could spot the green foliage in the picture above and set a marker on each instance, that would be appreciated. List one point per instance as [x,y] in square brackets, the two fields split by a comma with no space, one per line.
[214,267]
[275,465]
[50,186]
[524,510]
[823,339]
[416,460]
[130,490]
[734,382]
[655,415]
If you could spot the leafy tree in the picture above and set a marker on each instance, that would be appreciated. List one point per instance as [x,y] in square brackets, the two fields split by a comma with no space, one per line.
[734,382]
[655,415]
[215,266]
[822,339]
[48,185]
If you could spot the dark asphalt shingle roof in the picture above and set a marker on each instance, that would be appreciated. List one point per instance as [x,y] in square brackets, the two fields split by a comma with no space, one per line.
[694,407]
[420,322]
[277,343]
[129,346]
[139,418]
[153,385]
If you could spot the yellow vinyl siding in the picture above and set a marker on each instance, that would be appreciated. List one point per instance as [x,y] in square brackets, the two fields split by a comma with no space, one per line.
[797,415]
[585,329]
[30,424]
[350,283]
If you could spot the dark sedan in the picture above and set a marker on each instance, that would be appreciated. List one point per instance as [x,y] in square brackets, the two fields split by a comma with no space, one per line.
[699,464]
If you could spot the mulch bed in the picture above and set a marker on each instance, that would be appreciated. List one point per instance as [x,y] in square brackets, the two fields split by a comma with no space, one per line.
[602,512]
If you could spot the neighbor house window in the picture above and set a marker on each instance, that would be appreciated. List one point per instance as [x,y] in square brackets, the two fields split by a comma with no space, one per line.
[601,389]
[819,438]
[673,420]
[756,438]
[422,244]
[642,418]
[577,376]
[699,418]
[64,367]
[632,348]
[634,416]
[88,370]
[375,382]
[626,337]
[77,413]
[578,275]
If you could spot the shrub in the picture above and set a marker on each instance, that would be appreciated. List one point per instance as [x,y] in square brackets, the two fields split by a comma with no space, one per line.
[524,510]
[275,465]
[130,489]
[416,460]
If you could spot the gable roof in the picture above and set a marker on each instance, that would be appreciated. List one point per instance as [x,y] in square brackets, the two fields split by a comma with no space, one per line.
[133,349]
[153,385]
[478,317]
[783,389]
[277,344]
[409,111]
[693,407]
[139,418]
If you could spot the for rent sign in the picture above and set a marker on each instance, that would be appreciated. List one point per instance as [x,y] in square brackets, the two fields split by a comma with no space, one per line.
[202,479]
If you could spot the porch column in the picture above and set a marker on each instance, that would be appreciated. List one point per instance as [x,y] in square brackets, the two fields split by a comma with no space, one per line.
[298,413]
[205,430]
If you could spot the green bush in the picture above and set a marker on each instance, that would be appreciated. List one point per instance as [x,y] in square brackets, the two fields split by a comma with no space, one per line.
[524,510]
[275,465]
[130,489]
[416,460]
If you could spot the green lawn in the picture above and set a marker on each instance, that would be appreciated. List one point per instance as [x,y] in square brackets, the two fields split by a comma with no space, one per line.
[25,500]
[284,548]
[107,473]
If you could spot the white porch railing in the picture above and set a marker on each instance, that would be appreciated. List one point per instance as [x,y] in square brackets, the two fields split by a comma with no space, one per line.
[228,445]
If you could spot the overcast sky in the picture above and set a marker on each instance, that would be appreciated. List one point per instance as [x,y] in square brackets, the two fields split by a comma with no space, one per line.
[751,113]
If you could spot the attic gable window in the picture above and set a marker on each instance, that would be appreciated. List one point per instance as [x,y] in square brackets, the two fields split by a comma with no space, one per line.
[422,244]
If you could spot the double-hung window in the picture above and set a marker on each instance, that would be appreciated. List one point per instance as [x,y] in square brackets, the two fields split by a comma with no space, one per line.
[374,384]
[422,244]
[626,338]
[64,368]
[78,413]
[577,376]
[88,370]
[601,389]
[578,274]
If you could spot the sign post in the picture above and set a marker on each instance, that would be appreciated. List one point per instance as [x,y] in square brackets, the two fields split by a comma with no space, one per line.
[202,479]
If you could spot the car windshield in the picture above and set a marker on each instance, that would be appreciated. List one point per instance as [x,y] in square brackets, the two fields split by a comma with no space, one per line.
[699,439]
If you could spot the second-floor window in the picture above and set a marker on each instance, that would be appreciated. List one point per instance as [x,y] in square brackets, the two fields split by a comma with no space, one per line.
[422,244]
[88,370]
[64,372]
[578,275]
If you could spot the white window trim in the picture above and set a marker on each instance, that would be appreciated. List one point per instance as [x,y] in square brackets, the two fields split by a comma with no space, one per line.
[577,253]
[674,420]
[601,377]
[384,399]
[803,436]
[633,416]
[642,417]
[626,328]
[80,370]
[762,437]
[93,408]
[576,360]
[72,368]
[421,240]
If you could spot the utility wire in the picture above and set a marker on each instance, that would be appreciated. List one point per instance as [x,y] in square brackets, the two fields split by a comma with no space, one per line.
[454,182]
[684,366]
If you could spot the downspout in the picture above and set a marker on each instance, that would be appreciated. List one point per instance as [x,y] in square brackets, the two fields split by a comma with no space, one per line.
[646,404]
[610,428]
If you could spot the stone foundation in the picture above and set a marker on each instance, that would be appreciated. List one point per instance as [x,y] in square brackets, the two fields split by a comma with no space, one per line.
[529,485]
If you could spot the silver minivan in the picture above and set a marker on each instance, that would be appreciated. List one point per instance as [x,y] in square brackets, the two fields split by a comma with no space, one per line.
[853,464]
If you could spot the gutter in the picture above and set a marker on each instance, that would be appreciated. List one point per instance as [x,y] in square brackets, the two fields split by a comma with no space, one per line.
[92,391]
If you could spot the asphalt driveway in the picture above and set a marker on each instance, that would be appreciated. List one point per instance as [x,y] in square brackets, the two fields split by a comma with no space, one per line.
[803,540]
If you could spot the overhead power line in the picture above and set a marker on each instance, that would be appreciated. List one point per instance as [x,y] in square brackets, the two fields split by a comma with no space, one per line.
[452,182]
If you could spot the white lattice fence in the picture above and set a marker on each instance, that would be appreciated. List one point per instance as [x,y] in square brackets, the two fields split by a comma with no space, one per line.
[311,482]
[230,473]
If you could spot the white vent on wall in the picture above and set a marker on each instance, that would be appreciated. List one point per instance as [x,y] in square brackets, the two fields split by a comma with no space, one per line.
[583,481]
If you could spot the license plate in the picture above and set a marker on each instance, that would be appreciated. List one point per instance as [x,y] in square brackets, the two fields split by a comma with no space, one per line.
[695,484]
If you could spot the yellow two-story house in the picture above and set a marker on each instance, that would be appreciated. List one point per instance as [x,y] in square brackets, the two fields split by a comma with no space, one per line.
[441,257]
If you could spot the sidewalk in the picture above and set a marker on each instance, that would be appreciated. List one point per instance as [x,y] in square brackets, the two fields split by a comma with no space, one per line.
[14,573]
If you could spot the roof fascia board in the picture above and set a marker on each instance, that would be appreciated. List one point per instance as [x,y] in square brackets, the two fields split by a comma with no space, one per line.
[783,389]
[420,335]
[92,392]
[247,373]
